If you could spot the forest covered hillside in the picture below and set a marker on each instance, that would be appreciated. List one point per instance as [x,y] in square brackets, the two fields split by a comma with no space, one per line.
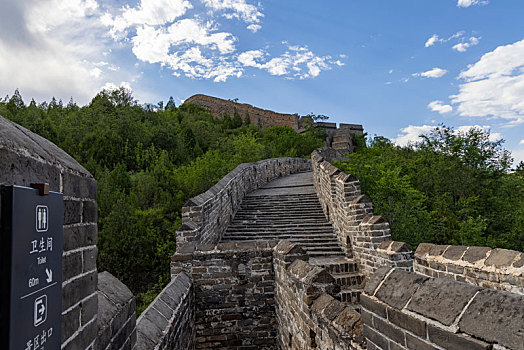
[148,161]
[451,188]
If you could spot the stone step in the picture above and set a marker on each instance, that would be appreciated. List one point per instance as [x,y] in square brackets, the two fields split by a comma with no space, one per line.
[325,254]
[298,239]
[268,221]
[353,279]
[350,295]
[336,265]
[286,226]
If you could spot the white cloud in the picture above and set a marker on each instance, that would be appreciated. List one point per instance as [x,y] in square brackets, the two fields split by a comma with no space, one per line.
[468,3]
[431,41]
[411,134]
[52,55]
[432,73]
[494,86]
[518,155]
[440,107]
[148,12]
[521,142]
[462,47]
[248,13]
[297,62]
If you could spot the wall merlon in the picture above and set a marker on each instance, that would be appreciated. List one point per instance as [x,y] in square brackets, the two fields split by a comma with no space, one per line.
[492,268]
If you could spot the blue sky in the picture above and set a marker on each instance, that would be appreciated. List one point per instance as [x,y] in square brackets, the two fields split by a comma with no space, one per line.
[397,67]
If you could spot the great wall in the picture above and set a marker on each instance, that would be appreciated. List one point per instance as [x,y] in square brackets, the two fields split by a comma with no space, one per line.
[280,254]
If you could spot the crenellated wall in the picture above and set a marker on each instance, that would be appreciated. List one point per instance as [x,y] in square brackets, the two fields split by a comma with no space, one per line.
[308,316]
[206,216]
[405,310]
[363,236]
[234,299]
[500,269]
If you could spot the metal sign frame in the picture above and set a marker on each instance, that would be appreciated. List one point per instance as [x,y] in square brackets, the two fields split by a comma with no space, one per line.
[31,247]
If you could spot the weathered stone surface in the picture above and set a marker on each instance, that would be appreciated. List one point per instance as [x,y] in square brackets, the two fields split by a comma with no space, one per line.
[501,258]
[496,316]
[454,252]
[375,279]
[441,299]
[408,322]
[391,294]
[452,341]
[474,254]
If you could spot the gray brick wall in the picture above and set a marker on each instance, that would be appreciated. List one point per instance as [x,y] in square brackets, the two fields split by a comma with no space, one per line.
[307,315]
[436,313]
[501,269]
[365,237]
[27,158]
[234,293]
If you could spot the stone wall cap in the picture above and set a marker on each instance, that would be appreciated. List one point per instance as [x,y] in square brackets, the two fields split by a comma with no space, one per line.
[116,291]
[442,299]
[361,199]
[501,257]
[17,139]
[286,247]
[391,292]
[496,316]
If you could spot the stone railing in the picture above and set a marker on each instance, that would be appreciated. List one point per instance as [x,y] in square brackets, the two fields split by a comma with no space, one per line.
[169,321]
[307,315]
[403,310]
[363,236]
[491,268]
[206,216]
[116,314]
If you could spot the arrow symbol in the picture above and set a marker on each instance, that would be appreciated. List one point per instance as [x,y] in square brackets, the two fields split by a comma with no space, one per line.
[42,309]
[49,274]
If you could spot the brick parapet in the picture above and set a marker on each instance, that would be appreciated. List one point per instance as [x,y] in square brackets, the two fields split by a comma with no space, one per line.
[365,237]
[206,216]
[116,314]
[500,269]
[307,314]
[169,321]
[435,313]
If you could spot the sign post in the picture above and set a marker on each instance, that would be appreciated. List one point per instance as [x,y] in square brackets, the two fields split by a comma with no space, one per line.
[31,273]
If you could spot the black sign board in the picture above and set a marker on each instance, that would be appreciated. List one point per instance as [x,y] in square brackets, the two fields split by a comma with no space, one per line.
[31,274]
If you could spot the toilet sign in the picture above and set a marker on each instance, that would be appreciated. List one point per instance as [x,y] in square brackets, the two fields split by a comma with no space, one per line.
[31,270]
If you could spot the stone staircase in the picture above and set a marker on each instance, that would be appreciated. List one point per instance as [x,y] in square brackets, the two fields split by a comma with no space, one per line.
[284,211]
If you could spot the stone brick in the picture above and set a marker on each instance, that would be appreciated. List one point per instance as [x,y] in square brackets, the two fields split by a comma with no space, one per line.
[392,332]
[407,322]
[89,212]
[414,343]
[79,236]
[441,299]
[71,265]
[72,211]
[88,309]
[89,259]
[496,316]
[391,294]
[70,323]
[452,341]
[375,337]
[78,289]
[373,306]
